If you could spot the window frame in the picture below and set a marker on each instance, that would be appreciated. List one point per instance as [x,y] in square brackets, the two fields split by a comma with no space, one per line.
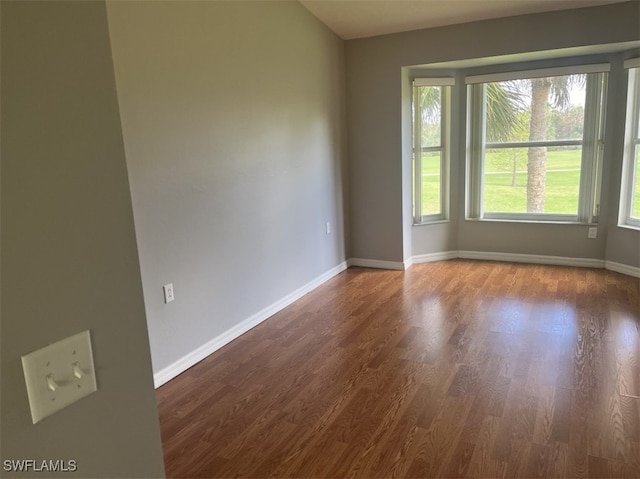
[631,146]
[592,144]
[446,84]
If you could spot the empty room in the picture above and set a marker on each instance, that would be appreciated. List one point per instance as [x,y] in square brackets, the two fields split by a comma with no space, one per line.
[320,238]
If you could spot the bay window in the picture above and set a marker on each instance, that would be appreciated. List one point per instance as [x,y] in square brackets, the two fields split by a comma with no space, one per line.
[630,188]
[535,141]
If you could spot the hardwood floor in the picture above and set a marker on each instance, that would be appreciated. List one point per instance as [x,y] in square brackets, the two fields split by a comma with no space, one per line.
[451,369]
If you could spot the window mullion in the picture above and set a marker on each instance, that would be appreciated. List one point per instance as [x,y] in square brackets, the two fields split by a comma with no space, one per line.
[588,200]
[476,126]
[599,139]
[444,155]
[417,156]
[528,144]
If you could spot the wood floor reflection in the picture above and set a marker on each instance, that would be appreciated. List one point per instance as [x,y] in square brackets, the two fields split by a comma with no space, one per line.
[452,369]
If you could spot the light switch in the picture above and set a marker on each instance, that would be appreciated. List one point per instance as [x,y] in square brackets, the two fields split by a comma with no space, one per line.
[167,289]
[59,375]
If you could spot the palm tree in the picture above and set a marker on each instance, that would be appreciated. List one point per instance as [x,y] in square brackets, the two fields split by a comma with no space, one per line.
[429,99]
[505,100]
[537,165]
[542,90]
[505,103]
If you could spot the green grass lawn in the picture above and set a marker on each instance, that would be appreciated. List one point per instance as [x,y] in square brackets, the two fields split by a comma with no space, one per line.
[561,190]
[431,183]
[500,195]
[563,182]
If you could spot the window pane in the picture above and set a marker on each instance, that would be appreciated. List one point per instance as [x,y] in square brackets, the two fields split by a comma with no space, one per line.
[431,199]
[513,183]
[635,201]
[536,109]
[505,180]
[430,102]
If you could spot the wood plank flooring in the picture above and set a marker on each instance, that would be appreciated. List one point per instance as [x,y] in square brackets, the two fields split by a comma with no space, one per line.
[451,369]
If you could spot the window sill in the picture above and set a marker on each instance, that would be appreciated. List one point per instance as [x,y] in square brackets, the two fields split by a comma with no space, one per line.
[433,222]
[544,222]
[629,227]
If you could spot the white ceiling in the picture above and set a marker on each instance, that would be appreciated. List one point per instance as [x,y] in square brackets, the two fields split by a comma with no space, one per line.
[365,18]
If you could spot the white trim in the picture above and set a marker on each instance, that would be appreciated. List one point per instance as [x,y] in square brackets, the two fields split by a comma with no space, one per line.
[504,257]
[443,148]
[229,335]
[632,63]
[533,259]
[475,150]
[544,72]
[431,257]
[529,144]
[550,218]
[377,263]
[628,185]
[432,81]
[593,136]
[622,268]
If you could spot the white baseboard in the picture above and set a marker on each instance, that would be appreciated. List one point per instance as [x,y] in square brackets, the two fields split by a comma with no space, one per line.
[377,263]
[216,343]
[623,268]
[407,263]
[533,259]
[431,257]
[492,256]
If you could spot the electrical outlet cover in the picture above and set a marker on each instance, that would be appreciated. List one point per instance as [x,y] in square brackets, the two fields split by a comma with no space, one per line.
[59,375]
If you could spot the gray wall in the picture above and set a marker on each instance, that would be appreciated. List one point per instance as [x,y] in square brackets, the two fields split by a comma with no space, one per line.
[233,121]
[380,208]
[69,259]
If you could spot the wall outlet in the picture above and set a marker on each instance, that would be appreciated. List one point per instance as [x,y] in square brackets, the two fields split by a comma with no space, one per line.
[328,228]
[167,289]
[593,232]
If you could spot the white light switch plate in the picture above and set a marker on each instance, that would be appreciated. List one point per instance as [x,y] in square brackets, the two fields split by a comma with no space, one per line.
[167,289]
[59,375]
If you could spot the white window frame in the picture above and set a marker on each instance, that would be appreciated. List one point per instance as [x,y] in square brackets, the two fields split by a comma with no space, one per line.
[592,144]
[631,146]
[446,85]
